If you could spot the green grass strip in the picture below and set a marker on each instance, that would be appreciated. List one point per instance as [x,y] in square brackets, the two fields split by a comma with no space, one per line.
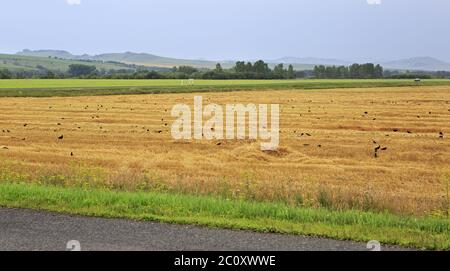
[426,233]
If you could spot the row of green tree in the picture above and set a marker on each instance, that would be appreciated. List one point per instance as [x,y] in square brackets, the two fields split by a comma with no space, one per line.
[355,71]
[242,70]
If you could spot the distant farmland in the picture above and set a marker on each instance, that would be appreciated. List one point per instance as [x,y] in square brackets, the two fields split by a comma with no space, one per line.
[75,87]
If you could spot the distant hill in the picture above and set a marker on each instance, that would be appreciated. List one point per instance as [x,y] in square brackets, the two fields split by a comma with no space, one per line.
[143,59]
[41,60]
[150,60]
[413,64]
[418,63]
[311,61]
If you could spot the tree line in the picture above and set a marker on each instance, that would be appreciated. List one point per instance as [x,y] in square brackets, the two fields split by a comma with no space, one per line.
[241,70]
[355,71]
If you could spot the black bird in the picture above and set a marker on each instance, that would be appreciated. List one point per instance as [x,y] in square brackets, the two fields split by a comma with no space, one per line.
[5,148]
[71,154]
[374,142]
[25,125]
[308,134]
[61,137]
[395,130]
[220,143]
[409,132]
[441,135]
[383,149]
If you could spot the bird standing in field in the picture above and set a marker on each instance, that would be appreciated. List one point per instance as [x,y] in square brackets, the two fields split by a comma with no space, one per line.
[61,137]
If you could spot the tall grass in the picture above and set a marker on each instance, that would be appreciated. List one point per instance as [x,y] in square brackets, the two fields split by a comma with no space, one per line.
[429,233]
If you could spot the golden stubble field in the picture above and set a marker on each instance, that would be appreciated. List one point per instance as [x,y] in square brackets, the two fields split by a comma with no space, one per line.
[124,142]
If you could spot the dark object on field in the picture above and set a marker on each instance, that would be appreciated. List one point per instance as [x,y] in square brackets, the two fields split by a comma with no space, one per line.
[61,137]
[395,130]
[374,142]
[220,143]
[379,148]
[71,154]
[366,112]
[409,132]
[5,148]
[320,146]
[441,135]
[25,125]
[307,134]
[159,132]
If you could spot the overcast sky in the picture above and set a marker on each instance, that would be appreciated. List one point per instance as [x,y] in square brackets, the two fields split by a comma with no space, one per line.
[231,29]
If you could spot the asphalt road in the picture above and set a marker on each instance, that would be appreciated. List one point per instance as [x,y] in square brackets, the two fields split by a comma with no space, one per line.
[42,231]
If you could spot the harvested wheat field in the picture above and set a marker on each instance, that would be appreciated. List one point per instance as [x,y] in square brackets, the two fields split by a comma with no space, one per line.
[327,155]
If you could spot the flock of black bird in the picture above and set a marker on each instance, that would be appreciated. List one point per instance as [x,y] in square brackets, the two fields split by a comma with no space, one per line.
[377,150]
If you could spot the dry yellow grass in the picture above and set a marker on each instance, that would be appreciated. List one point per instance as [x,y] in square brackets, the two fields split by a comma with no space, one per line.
[115,143]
